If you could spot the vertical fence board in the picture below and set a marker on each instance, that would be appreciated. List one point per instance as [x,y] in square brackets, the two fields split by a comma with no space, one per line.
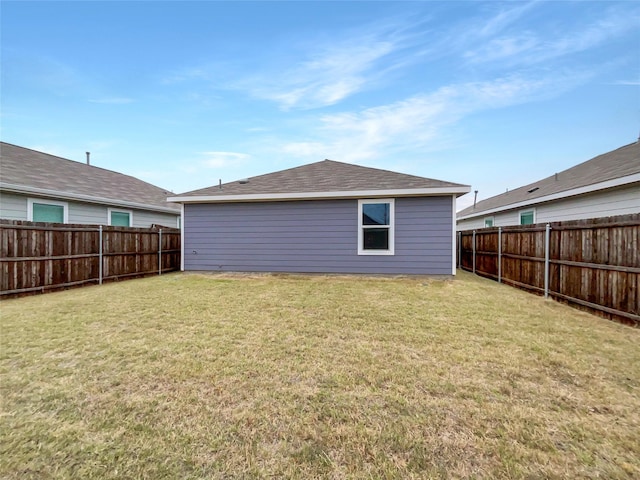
[36,257]
[594,263]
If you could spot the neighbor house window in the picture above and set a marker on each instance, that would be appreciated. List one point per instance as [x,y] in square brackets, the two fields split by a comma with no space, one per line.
[488,222]
[47,211]
[120,218]
[375,227]
[527,217]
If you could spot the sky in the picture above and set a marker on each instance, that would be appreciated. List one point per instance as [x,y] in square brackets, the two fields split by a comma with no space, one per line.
[182,94]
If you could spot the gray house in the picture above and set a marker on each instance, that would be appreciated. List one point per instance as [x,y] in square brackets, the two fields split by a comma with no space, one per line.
[604,186]
[40,187]
[325,217]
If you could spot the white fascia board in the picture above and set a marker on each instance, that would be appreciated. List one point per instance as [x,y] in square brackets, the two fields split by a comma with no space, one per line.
[43,192]
[616,182]
[281,197]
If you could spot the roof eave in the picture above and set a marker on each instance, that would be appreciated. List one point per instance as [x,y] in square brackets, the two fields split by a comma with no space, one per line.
[616,182]
[43,192]
[283,197]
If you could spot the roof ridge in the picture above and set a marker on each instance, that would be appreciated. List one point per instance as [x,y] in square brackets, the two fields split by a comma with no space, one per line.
[341,163]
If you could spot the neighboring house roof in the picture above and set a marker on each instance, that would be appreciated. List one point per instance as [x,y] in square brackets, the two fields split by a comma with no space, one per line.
[325,179]
[35,173]
[612,169]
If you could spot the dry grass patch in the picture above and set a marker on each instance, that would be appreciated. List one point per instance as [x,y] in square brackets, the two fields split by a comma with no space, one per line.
[211,376]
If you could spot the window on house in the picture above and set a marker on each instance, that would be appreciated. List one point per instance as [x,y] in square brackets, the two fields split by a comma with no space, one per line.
[375,227]
[119,218]
[488,222]
[527,217]
[47,211]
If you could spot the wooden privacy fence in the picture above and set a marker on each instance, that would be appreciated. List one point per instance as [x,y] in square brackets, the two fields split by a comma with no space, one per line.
[592,263]
[35,257]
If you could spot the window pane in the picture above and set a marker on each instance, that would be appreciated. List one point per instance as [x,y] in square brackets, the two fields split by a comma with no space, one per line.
[375,214]
[48,213]
[488,222]
[375,238]
[120,219]
[526,218]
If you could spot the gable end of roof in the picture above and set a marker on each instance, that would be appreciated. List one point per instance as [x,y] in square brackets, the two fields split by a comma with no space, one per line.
[324,179]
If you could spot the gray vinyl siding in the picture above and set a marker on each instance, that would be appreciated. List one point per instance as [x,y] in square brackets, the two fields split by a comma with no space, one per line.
[315,237]
[14,207]
[606,203]
[145,218]
[621,201]
[87,213]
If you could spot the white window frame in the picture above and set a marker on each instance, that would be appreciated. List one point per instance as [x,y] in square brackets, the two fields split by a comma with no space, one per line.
[361,227]
[493,222]
[118,210]
[43,201]
[522,212]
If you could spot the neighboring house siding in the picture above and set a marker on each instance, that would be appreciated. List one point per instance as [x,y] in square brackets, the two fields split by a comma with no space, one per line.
[315,236]
[620,201]
[14,207]
[145,218]
[502,219]
[87,213]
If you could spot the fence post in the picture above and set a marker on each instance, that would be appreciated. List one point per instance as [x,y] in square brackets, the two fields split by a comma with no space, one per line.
[474,251]
[160,252]
[459,249]
[546,260]
[100,257]
[499,254]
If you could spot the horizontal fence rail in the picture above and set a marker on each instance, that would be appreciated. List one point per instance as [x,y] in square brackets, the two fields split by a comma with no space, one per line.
[594,264]
[37,257]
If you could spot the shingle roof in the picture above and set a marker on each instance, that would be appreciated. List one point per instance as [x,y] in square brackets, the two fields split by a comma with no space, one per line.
[22,169]
[324,176]
[616,164]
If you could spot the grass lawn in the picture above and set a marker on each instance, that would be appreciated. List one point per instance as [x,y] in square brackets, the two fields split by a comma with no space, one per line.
[276,376]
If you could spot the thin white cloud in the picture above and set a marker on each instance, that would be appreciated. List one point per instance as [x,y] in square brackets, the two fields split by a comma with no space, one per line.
[314,71]
[186,74]
[412,124]
[327,78]
[530,48]
[503,48]
[633,83]
[304,149]
[505,18]
[223,159]
[112,100]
